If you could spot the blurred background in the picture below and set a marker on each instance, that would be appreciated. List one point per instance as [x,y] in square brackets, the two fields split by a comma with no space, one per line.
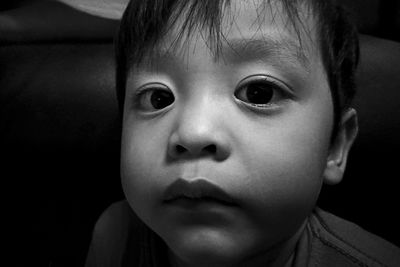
[59,127]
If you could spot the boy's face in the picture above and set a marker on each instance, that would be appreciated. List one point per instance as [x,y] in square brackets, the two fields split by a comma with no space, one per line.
[255,122]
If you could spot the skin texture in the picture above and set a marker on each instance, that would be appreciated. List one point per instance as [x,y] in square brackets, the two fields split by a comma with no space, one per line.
[271,159]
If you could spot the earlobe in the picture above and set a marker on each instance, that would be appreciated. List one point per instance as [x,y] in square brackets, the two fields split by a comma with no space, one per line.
[333,174]
[337,158]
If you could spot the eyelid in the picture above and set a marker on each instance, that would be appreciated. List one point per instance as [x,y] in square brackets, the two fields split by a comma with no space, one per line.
[150,86]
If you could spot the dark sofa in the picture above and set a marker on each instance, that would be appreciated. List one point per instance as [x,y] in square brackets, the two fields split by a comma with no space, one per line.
[59,137]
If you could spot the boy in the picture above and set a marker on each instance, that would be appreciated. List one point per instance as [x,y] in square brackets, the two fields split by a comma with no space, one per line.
[234,115]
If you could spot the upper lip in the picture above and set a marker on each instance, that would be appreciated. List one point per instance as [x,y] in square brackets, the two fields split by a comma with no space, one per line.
[196,189]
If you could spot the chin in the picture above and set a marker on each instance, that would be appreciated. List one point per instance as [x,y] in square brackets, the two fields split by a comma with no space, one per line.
[206,248]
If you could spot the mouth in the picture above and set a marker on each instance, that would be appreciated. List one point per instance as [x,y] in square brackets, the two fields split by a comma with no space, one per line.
[196,192]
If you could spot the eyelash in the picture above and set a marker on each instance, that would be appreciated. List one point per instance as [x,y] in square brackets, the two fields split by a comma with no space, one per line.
[147,89]
[279,87]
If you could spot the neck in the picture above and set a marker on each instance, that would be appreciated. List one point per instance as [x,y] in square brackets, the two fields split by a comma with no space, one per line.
[281,255]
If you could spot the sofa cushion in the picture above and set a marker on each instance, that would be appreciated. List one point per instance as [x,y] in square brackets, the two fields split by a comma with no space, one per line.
[59,142]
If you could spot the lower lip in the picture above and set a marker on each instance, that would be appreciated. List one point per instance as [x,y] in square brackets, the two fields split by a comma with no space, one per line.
[199,205]
[201,210]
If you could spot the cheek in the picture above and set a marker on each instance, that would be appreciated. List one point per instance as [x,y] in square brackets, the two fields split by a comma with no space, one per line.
[142,149]
[285,169]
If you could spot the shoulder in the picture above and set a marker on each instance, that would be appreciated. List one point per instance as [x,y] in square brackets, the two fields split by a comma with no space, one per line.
[337,238]
[114,231]
[118,215]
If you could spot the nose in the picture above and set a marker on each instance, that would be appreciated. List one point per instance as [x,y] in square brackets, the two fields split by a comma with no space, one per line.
[199,132]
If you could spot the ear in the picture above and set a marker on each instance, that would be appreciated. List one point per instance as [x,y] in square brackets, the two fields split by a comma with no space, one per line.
[339,150]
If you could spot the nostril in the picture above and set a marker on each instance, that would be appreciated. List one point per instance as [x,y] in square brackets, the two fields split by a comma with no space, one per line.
[180,149]
[212,149]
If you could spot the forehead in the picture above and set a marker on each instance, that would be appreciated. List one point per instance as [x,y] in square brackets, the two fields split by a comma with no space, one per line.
[252,29]
[244,27]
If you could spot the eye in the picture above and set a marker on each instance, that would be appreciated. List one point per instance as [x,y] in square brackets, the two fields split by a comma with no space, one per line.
[260,91]
[153,97]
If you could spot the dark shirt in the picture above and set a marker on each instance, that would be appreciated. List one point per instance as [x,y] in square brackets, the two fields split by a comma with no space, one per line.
[121,239]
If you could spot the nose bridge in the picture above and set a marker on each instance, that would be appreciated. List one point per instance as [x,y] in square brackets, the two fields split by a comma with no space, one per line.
[199,128]
[198,118]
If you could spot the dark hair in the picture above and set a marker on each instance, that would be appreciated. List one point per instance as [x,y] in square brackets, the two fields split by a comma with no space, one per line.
[145,22]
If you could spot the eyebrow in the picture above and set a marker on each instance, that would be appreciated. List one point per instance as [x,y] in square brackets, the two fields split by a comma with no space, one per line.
[266,49]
